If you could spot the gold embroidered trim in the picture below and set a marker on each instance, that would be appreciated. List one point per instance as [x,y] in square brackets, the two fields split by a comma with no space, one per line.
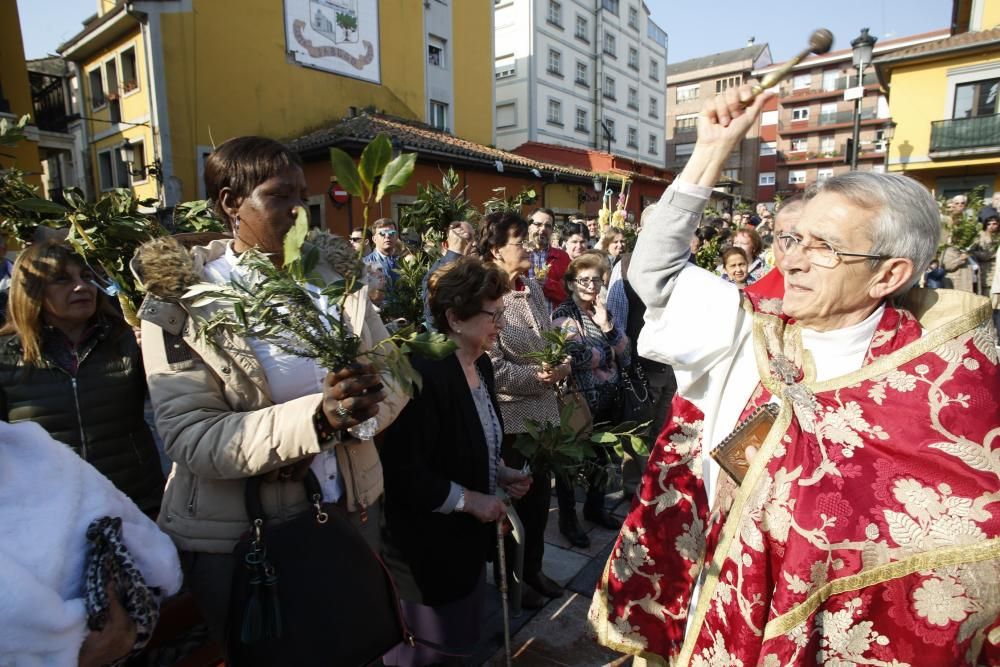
[599,605]
[957,555]
[731,527]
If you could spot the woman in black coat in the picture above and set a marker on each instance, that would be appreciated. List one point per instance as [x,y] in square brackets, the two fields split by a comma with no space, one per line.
[442,469]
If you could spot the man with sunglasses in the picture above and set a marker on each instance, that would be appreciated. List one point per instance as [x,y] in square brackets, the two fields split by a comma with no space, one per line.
[856,418]
[384,238]
[548,264]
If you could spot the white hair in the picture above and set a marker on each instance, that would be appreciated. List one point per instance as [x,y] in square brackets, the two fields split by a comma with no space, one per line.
[907,221]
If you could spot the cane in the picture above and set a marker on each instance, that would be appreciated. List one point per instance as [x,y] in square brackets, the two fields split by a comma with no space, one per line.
[502,558]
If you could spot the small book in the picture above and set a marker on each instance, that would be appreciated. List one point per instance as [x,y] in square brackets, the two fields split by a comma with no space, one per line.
[731,454]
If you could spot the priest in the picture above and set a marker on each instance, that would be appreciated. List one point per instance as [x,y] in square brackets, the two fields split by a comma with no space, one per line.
[864,529]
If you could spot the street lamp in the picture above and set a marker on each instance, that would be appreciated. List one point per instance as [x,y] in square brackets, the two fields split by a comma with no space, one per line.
[126,151]
[888,132]
[861,49]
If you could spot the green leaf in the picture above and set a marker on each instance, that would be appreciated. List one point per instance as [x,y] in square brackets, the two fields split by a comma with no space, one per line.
[435,346]
[396,174]
[604,438]
[36,205]
[374,159]
[292,246]
[347,173]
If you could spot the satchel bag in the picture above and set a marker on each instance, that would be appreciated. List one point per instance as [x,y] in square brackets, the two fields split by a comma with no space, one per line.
[310,590]
[572,400]
[636,401]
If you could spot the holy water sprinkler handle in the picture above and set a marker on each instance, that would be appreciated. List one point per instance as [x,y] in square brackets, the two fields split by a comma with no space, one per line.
[820,42]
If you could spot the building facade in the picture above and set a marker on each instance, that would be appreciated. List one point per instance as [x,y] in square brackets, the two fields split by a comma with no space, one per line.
[589,74]
[945,99]
[690,83]
[808,130]
[174,78]
[15,93]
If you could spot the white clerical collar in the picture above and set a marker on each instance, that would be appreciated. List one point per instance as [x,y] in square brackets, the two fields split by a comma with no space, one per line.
[841,351]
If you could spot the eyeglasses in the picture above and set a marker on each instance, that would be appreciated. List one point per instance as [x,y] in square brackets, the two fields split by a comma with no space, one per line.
[535,223]
[385,233]
[497,315]
[516,244]
[583,282]
[821,253]
[355,239]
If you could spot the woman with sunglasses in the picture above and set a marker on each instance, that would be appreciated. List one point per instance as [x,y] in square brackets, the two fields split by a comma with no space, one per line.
[598,349]
[525,390]
[69,362]
[443,468]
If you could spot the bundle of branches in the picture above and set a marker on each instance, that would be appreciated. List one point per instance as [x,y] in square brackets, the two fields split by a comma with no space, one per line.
[406,298]
[555,352]
[501,203]
[436,207]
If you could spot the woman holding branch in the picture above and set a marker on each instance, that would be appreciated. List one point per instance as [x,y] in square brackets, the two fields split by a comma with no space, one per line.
[525,388]
[443,469]
[230,407]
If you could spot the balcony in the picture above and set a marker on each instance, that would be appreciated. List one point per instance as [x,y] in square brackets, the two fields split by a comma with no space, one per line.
[961,137]
[828,121]
[792,96]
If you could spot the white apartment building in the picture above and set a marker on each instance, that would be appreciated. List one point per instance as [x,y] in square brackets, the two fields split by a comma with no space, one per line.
[588,74]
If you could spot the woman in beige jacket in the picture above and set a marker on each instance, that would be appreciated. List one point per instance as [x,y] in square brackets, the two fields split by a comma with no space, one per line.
[234,408]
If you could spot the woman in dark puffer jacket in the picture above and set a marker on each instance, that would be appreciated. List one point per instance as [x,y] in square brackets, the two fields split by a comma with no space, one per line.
[69,362]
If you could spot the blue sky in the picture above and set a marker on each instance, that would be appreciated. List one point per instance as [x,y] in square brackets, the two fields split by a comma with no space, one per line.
[693,31]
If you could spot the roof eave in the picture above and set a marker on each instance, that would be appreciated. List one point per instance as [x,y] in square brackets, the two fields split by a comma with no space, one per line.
[86,43]
[976,46]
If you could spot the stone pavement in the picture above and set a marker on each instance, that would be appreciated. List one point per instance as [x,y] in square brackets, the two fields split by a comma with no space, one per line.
[558,633]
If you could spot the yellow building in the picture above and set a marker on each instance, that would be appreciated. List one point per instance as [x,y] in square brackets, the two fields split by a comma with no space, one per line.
[224,68]
[945,99]
[15,93]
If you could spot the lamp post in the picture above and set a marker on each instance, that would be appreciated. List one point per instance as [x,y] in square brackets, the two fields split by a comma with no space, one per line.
[861,48]
[888,132]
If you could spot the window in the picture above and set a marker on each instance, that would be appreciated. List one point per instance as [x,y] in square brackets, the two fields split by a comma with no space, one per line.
[582,29]
[830,77]
[654,144]
[800,113]
[633,98]
[688,93]
[506,66]
[633,18]
[610,5]
[555,13]
[728,82]
[827,112]
[802,81]
[827,145]
[681,150]
[730,175]
[111,171]
[686,123]
[654,69]
[139,172]
[823,174]
[555,62]
[97,99]
[436,51]
[581,72]
[656,33]
[769,118]
[555,112]
[439,115]
[797,176]
[979,98]
[506,115]
[609,123]
[130,77]
[768,148]
[799,145]
[765,178]
[581,120]
[609,87]
[316,215]
[111,78]
[654,107]
[609,43]
[632,138]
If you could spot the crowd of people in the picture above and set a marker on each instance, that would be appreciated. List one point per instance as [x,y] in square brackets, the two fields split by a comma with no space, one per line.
[804,307]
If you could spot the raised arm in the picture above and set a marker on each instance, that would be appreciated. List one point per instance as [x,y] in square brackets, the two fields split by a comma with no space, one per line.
[663,246]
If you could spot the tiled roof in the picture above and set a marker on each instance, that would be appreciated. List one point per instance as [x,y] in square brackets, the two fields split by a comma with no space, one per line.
[734,56]
[52,66]
[960,42]
[424,140]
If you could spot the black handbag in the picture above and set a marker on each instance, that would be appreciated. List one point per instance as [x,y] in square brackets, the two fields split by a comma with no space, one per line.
[636,400]
[310,590]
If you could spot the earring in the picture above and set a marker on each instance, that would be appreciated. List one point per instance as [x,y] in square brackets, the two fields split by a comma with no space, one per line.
[458,331]
[236,226]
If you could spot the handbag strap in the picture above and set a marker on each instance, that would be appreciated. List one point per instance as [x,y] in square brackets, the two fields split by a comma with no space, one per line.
[255,505]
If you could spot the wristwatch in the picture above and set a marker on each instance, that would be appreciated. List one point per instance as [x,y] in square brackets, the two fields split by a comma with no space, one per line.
[460,505]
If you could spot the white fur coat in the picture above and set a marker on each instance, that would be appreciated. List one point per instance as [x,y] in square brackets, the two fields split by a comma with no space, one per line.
[48,497]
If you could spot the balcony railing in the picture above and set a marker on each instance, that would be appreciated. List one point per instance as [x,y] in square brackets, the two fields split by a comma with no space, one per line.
[839,84]
[963,134]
